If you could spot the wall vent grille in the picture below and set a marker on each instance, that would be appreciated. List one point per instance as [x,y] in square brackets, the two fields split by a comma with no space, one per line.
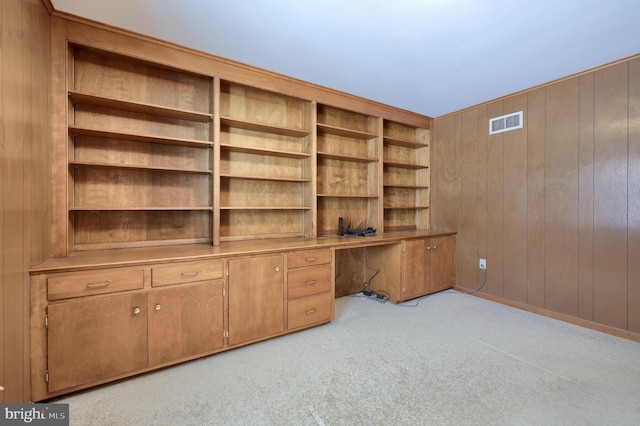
[505,123]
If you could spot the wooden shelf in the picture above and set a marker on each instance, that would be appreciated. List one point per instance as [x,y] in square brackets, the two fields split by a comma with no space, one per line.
[405,165]
[276,179]
[137,167]
[347,196]
[266,208]
[145,108]
[406,186]
[100,133]
[143,209]
[347,158]
[341,131]
[262,151]
[258,127]
[405,143]
[405,207]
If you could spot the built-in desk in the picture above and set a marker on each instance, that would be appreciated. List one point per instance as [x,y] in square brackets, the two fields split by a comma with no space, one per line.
[99,316]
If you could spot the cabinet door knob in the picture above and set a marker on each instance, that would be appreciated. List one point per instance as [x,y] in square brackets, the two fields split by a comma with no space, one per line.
[136,311]
[277,269]
[158,307]
[428,247]
[435,248]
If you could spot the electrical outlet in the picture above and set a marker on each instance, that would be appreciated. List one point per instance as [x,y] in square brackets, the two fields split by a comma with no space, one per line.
[483,264]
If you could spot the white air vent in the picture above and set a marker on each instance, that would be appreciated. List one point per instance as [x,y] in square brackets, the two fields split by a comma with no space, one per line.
[505,123]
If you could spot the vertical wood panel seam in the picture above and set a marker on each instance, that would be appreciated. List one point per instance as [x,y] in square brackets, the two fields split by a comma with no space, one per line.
[544,216]
[628,188]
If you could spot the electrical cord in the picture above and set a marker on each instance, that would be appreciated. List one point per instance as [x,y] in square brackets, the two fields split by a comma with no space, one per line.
[368,285]
[484,279]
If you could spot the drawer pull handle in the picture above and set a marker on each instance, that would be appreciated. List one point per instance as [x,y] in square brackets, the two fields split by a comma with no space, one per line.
[158,307]
[277,269]
[313,282]
[311,311]
[190,274]
[136,311]
[311,259]
[98,285]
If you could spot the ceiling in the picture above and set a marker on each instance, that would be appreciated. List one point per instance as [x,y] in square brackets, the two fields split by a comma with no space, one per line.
[428,56]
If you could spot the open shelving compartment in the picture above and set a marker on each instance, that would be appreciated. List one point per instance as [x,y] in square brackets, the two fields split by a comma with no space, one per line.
[266,149]
[348,169]
[140,158]
[406,177]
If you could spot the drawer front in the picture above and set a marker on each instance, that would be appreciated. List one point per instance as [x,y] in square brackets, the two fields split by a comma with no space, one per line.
[310,310]
[186,273]
[64,286]
[303,258]
[308,281]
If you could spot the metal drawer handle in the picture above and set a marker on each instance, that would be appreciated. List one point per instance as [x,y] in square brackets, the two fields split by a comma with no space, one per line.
[98,285]
[189,274]
[311,259]
[136,311]
[311,311]
[313,282]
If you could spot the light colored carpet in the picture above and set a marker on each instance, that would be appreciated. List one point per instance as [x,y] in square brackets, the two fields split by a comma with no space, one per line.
[454,360]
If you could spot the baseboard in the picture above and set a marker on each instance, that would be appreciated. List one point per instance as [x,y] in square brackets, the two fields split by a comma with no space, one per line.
[562,317]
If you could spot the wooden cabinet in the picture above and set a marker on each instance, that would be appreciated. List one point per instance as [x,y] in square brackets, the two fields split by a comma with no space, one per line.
[185,321]
[256,298]
[310,289]
[95,339]
[414,267]
[429,266]
[104,324]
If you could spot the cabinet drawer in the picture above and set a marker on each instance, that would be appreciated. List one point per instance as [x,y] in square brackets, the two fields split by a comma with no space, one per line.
[309,310]
[303,258]
[186,273]
[79,284]
[308,281]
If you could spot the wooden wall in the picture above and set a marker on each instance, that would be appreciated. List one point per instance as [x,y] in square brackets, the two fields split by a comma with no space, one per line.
[24,156]
[553,207]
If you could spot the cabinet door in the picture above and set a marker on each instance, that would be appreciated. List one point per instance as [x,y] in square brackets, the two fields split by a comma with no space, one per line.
[185,321]
[443,265]
[256,298]
[96,339]
[417,268]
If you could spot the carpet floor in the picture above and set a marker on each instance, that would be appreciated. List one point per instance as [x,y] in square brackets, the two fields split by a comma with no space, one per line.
[454,359]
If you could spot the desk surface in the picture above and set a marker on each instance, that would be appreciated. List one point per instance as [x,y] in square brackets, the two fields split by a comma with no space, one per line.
[140,256]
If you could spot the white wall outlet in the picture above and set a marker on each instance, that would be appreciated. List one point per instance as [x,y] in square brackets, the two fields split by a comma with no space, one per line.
[483,264]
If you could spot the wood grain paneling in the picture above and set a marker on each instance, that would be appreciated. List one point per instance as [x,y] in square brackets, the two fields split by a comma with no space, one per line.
[495,206]
[536,130]
[561,193]
[515,205]
[558,203]
[443,175]
[610,195]
[24,133]
[585,199]
[468,236]
[633,303]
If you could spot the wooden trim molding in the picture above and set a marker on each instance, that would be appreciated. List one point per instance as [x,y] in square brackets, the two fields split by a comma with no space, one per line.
[562,317]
